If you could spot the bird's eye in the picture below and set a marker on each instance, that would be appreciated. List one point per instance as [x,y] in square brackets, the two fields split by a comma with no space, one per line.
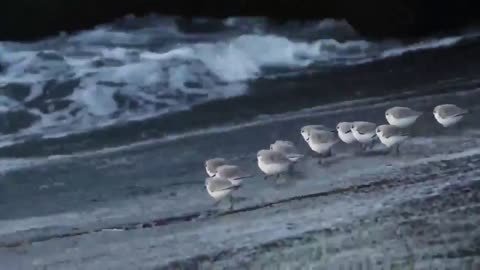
[378,130]
[338,127]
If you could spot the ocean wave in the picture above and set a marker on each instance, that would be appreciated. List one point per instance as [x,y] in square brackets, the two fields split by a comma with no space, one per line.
[142,68]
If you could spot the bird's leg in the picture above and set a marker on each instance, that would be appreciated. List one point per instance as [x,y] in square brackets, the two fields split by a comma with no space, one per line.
[314,154]
[410,130]
[397,151]
[329,153]
[216,203]
[394,150]
[277,176]
[320,161]
[291,170]
[266,177]
[390,150]
[231,203]
[364,147]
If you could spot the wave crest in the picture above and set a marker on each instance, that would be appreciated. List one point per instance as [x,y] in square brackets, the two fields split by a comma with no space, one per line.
[121,72]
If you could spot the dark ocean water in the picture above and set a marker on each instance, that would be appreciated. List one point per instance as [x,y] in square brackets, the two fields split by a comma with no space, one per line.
[109,129]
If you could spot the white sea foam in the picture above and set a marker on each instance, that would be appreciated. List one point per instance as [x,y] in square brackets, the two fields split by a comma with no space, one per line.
[429,44]
[109,74]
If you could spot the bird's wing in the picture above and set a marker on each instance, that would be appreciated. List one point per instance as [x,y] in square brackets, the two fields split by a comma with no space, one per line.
[407,112]
[452,111]
[366,128]
[278,157]
[220,185]
[393,131]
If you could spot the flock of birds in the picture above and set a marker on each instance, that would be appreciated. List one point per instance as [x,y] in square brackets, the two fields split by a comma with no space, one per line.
[224,178]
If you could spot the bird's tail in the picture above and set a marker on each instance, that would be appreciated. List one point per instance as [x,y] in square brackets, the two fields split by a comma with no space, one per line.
[295,157]
[232,187]
[245,177]
[465,112]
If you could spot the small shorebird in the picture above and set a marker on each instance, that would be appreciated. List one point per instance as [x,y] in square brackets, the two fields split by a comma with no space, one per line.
[344,130]
[364,132]
[287,148]
[401,117]
[449,114]
[232,173]
[391,136]
[272,162]
[321,141]
[219,188]
[212,164]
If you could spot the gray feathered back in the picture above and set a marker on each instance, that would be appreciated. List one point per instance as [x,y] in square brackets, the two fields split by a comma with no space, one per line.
[402,112]
[365,127]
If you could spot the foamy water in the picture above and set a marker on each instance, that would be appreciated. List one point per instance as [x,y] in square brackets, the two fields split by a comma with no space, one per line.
[139,68]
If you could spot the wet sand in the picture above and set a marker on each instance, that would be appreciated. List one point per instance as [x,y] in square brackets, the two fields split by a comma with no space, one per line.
[145,207]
